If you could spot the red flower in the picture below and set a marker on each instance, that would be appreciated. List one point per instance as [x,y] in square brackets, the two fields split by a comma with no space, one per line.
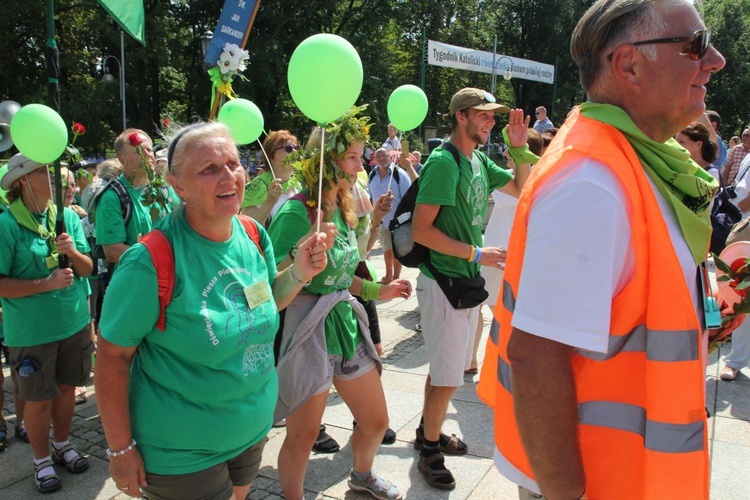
[78,129]
[134,139]
[165,122]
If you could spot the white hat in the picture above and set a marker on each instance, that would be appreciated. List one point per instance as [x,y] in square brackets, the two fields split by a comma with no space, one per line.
[18,166]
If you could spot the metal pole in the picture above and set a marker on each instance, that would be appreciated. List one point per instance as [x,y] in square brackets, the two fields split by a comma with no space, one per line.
[492,90]
[423,56]
[122,79]
[554,89]
[53,73]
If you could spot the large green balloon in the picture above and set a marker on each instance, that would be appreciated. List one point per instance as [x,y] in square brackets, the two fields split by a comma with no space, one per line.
[244,119]
[39,133]
[325,77]
[407,107]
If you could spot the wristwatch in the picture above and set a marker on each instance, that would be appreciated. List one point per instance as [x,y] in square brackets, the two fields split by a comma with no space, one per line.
[293,252]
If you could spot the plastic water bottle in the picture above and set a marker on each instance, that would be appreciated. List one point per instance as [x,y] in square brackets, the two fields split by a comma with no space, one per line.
[27,368]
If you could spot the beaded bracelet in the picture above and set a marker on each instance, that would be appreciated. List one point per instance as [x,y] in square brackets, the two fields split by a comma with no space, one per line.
[111,453]
[295,279]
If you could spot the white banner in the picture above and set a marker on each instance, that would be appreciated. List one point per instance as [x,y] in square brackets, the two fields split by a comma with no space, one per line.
[451,56]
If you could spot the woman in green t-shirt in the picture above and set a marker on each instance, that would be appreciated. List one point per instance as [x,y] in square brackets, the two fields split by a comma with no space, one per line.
[45,315]
[339,350]
[210,365]
[265,194]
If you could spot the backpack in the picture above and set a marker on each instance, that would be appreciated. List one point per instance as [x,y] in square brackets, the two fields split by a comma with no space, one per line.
[162,256]
[405,249]
[396,175]
[126,205]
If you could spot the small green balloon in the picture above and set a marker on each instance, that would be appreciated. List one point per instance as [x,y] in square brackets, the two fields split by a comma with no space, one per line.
[244,119]
[39,133]
[407,107]
[325,77]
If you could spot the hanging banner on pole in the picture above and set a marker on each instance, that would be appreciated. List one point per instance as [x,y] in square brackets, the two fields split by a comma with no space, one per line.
[452,56]
[235,22]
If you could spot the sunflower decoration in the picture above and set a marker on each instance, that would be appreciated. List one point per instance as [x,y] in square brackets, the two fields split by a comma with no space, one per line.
[339,135]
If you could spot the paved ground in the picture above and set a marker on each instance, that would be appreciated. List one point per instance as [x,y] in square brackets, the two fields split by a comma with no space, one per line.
[405,369]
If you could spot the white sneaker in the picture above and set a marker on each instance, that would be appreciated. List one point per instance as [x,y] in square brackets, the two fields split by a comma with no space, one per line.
[728,373]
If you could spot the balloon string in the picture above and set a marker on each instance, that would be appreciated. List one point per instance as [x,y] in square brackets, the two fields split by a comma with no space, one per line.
[320,180]
[267,159]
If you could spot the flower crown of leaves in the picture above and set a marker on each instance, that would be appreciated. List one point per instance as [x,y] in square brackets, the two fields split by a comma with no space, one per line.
[339,136]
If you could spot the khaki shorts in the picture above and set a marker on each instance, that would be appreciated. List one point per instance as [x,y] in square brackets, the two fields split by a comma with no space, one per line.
[448,334]
[63,362]
[345,370]
[385,238]
[214,483]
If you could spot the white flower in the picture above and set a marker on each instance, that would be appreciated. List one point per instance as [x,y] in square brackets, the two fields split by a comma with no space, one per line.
[232,59]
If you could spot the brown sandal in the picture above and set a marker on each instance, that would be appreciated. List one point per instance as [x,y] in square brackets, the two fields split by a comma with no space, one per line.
[450,445]
[437,476]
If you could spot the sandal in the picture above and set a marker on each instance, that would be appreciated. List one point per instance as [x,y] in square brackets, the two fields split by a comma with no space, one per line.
[471,371]
[325,443]
[48,483]
[21,433]
[75,465]
[375,486]
[81,397]
[450,445]
[437,476]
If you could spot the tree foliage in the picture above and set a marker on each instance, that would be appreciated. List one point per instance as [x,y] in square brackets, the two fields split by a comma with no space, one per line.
[167,78]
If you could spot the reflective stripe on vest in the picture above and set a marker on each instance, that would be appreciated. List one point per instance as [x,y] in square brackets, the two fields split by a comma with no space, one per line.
[657,436]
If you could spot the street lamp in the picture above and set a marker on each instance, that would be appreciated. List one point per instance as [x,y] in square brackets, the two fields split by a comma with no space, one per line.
[108,78]
[206,38]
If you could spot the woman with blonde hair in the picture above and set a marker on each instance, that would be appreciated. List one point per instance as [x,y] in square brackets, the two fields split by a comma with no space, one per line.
[325,340]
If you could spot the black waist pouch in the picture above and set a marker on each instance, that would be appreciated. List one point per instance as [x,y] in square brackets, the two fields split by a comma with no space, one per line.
[462,293]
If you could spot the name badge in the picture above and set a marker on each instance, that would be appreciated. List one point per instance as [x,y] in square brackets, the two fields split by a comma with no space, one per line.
[711,311]
[51,262]
[257,294]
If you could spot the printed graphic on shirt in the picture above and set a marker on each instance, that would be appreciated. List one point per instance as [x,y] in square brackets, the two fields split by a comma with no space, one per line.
[476,196]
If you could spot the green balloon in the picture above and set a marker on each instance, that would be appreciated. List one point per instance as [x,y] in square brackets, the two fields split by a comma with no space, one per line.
[244,119]
[325,77]
[407,107]
[39,133]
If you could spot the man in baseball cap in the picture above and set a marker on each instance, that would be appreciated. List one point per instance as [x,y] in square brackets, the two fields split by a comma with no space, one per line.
[448,218]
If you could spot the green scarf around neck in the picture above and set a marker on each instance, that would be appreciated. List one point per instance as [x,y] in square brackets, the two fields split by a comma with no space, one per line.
[24,219]
[686,186]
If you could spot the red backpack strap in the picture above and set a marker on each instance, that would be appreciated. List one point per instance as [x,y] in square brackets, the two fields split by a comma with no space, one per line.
[160,249]
[251,228]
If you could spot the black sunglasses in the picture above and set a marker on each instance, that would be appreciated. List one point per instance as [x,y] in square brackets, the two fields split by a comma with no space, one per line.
[288,148]
[698,43]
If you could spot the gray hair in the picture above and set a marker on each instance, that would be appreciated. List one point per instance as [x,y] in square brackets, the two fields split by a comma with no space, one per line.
[608,24]
[109,167]
[187,136]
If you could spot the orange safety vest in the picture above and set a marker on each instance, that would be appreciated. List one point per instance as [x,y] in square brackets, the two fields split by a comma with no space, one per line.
[642,424]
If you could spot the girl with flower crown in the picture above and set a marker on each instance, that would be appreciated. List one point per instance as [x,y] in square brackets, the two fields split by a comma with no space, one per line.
[325,340]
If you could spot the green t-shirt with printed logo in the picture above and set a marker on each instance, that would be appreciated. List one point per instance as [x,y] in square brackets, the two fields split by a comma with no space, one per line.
[463,193]
[205,389]
[292,223]
[43,317]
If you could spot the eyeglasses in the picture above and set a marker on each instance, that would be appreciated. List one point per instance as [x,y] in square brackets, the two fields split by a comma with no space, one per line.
[538,113]
[698,43]
[288,148]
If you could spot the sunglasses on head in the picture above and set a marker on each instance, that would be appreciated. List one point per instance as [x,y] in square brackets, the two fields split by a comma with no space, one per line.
[288,148]
[698,43]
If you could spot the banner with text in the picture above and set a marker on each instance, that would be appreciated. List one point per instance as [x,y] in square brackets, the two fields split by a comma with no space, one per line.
[452,56]
[235,22]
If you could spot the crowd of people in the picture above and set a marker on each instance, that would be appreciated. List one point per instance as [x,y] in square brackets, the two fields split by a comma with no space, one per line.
[207,296]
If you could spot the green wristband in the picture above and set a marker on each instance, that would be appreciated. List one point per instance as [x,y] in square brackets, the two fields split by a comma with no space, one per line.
[370,290]
[521,154]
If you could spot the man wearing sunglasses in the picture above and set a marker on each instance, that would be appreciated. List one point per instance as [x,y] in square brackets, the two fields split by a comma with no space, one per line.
[596,376]
[542,123]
